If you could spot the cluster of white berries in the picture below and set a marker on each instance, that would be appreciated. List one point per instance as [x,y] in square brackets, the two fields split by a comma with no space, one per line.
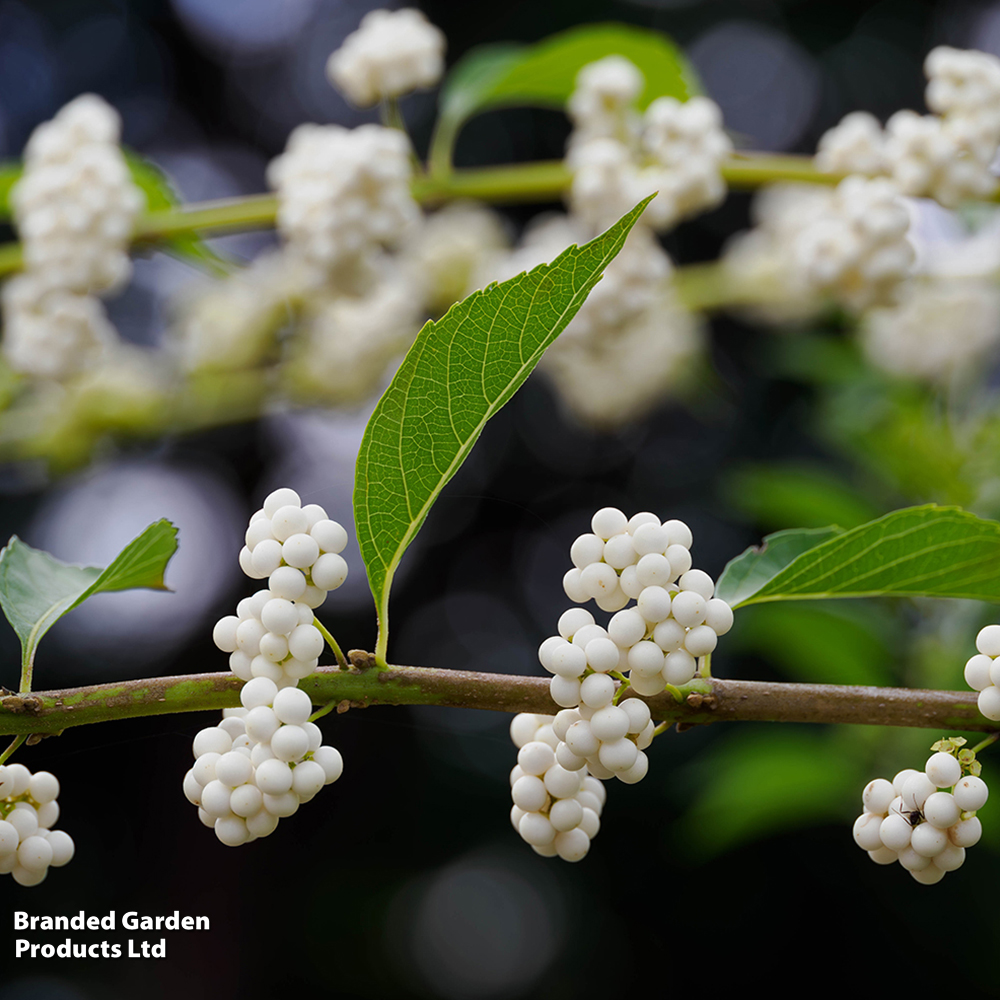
[600,734]
[910,820]
[343,194]
[675,620]
[75,207]
[259,764]
[297,549]
[947,155]
[391,53]
[266,758]
[848,244]
[557,804]
[619,156]
[28,811]
[982,672]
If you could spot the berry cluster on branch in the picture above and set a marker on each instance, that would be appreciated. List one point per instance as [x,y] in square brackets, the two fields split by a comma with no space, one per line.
[913,821]
[29,845]
[601,733]
[265,759]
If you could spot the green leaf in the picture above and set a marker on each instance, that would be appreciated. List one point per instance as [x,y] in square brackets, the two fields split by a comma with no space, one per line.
[10,173]
[36,589]
[475,76]
[160,196]
[745,575]
[926,551]
[544,74]
[459,372]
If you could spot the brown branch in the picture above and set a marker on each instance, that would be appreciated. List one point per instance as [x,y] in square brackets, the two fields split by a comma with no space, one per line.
[705,701]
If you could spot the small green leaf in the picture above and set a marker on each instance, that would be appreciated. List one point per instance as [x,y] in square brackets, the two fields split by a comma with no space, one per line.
[10,173]
[160,196]
[926,551]
[544,74]
[475,76]
[459,372]
[36,589]
[745,575]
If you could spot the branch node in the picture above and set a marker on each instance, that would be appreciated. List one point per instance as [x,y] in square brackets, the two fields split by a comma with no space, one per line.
[698,700]
[361,659]
[17,704]
[343,706]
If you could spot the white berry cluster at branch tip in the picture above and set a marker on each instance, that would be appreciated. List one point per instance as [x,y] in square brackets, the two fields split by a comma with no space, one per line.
[914,821]
[266,758]
[946,155]
[75,206]
[982,672]
[343,195]
[557,804]
[391,53]
[618,156]
[28,812]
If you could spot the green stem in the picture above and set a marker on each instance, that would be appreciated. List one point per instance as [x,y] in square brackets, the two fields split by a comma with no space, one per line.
[439,161]
[674,692]
[748,170]
[992,738]
[705,666]
[332,643]
[227,215]
[545,180]
[15,743]
[325,710]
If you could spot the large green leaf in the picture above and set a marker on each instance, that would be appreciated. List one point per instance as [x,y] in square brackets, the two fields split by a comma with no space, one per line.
[459,372]
[745,575]
[544,74]
[36,589]
[926,551]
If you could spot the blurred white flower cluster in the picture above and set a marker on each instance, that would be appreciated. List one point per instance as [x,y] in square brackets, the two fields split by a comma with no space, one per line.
[391,53]
[847,244]
[945,156]
[618,156]
[75,207]
[928,302]
[326,315]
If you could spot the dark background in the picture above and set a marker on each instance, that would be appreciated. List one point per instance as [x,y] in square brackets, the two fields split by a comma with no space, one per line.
[405,878]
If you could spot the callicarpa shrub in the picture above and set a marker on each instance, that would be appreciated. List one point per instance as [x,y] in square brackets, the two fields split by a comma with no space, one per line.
[393,279]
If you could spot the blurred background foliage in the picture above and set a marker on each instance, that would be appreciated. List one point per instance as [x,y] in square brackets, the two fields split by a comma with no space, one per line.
[406,878]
